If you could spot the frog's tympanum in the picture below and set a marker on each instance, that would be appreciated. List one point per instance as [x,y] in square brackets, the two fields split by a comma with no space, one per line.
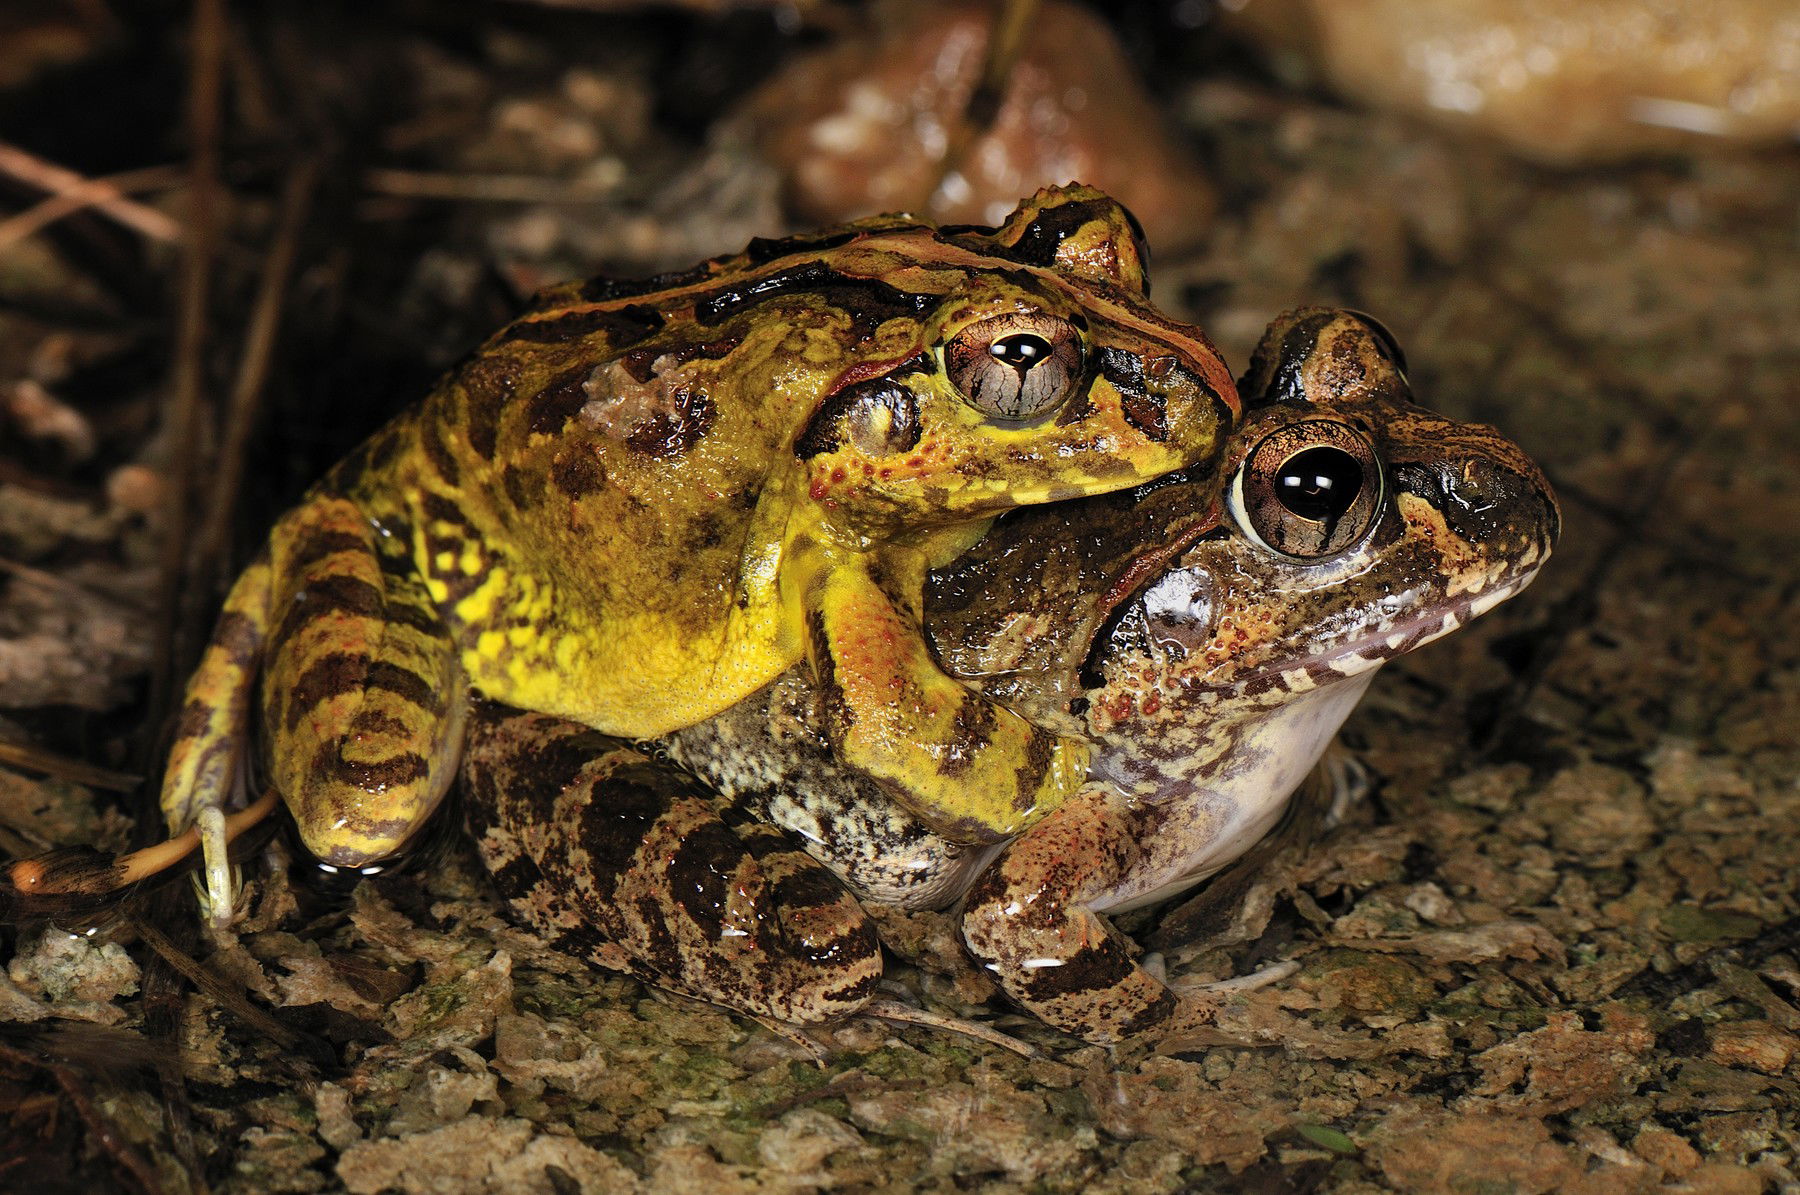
[640,503]
[1207,633]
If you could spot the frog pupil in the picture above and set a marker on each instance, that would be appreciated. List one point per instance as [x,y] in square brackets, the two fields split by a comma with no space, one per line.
[1021,350]
[1320,484]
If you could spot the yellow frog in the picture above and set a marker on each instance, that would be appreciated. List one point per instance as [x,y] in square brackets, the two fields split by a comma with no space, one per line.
[642,501]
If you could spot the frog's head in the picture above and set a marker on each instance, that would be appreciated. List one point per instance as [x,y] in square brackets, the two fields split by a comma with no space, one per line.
[1036,370]
[1227,621]
[1356,525]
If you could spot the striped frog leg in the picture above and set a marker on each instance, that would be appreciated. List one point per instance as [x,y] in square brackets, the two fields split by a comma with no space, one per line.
[362,693]
[971,770]
[1028,920]
[623,860]
[208,759]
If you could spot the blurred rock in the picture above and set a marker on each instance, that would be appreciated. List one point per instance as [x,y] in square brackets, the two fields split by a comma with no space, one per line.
[863,126]
[1563,81]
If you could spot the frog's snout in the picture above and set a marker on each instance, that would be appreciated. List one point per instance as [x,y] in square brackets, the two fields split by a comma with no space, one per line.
[1488,500]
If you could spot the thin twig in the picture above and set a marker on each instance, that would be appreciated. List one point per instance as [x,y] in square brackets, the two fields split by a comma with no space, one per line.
[103,195]
[221,992]
[93,193]
[164,998]
[485,188]
[253,370]
[183,423]
[35,759]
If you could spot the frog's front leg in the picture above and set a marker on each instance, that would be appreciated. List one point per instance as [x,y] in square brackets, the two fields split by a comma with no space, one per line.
[1029,919]
[620,858]
[971,770]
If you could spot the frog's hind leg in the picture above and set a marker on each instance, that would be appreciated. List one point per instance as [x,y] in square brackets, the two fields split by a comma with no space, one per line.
[208,759]
[362,692]
[204,776]
[623,860]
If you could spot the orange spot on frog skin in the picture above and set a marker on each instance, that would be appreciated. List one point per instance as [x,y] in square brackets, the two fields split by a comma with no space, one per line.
[1151,704]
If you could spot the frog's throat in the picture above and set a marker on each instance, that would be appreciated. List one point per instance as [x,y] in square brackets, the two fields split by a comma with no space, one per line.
[1232,792]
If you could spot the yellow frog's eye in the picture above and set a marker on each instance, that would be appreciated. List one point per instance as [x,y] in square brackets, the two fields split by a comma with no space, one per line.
[1310,489]
[1016,366]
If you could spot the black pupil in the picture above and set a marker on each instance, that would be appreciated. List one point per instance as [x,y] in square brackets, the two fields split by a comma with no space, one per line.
[1319,484]
[1021,350]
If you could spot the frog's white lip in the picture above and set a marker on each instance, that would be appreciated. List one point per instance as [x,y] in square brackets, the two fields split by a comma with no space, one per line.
[1376,648]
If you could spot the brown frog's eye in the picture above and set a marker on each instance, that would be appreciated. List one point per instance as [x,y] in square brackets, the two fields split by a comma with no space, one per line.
[1310,489]
[1018,366]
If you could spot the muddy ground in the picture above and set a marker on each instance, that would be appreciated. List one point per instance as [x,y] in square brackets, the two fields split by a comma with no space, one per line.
[1558,949]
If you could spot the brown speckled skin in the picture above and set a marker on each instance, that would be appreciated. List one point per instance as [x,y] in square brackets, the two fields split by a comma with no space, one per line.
[1208,669]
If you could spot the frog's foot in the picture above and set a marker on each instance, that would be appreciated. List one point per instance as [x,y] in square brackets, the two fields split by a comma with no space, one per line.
[1028,922]
[906,1014]
[971,770]
[1342,781]
[618,856]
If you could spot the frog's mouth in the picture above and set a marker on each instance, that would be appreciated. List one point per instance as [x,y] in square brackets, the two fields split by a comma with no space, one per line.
[1373,646]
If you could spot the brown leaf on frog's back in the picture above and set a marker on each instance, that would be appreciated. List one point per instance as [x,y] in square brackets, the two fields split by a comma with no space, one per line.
[662,417]
[1073,110]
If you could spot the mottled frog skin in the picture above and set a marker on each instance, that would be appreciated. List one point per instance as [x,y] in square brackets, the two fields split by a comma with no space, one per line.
[1208,633]
[640,503]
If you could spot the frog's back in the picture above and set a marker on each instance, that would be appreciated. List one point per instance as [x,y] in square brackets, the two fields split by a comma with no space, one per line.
[600,498]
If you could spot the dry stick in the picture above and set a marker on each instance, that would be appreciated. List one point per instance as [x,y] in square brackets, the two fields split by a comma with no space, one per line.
[58,583]
[92,193]
[183,422]
[103,195]
[205,87]
[221,991]
[253,370]
[491,188]
[35,759]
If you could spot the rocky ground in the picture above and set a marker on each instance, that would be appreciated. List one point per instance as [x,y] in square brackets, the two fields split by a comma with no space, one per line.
[1557,950]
